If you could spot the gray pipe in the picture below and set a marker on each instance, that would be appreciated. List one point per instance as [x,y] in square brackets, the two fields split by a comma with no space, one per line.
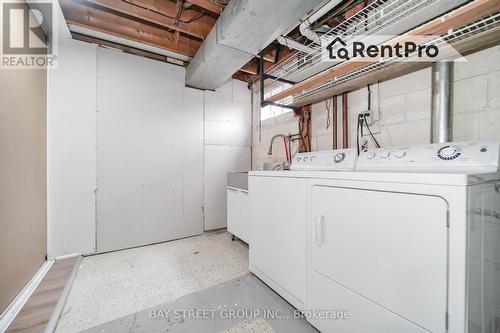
[442,100]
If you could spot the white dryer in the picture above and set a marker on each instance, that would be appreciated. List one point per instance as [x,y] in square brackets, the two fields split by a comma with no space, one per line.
[277,244]
[415,246]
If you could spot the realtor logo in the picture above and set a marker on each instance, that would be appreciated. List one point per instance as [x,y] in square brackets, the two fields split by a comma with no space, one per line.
[373,48]
[27,35]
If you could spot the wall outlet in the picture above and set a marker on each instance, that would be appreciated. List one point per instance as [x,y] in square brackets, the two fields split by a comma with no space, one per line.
[372,122]
[369,117]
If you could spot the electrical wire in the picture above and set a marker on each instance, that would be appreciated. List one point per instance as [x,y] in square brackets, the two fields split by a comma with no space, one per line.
[362,121]
[370,131]
[357,133]
[369,97]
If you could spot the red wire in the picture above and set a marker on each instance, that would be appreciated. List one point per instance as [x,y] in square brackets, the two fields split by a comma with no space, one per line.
[286,149]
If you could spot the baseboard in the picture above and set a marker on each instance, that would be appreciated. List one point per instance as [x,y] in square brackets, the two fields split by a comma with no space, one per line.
[56,314]
[17,304]
[67,256]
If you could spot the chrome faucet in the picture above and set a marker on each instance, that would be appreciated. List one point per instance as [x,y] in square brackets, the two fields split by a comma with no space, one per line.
[287,140]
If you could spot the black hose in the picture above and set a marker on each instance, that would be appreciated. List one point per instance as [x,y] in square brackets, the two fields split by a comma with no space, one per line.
[371,134]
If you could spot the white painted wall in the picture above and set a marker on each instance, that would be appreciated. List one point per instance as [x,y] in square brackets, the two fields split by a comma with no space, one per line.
[71,128]
[405,109]
[73,95]
[227,145]
[141,153]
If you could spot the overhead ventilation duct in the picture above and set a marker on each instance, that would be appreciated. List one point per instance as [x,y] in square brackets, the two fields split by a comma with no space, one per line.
[241,32]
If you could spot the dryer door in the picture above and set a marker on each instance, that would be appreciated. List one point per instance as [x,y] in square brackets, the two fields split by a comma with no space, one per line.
[384,256]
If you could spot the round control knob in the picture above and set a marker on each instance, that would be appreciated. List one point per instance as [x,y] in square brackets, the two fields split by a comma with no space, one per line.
[299,159]
[305,158]
[312,158]
[448,153]
[400,154]
[339,157]
[385,154]
[370,156]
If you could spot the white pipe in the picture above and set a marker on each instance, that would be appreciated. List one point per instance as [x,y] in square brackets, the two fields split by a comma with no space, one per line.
[295,45]
[127,42]
[305,27]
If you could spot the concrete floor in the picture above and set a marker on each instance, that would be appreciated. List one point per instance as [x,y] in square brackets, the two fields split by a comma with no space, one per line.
[241,305]
[113,285]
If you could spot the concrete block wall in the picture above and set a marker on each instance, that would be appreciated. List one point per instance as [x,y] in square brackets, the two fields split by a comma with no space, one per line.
[402,109]
[262,133]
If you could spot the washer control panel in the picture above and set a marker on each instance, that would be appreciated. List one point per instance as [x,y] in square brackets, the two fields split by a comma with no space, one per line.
[339,159]
[440,157]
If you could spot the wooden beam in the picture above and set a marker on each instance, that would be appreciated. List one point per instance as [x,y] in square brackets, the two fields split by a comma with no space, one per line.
[178,11]
[95,18]
[171,19]
[177,36]
[457,18]
[208,5]
[166,8]
[345,119]
[335,125]
[269,58]
[248,71]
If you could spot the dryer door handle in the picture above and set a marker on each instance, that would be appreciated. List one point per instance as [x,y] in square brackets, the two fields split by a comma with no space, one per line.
[320,230]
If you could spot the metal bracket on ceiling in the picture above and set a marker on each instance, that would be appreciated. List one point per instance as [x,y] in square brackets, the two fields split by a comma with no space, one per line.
[263,76]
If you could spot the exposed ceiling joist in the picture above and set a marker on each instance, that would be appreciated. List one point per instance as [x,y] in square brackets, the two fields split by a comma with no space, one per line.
[178,11]
[94,18]
[271,58]
[459,17]
[165,16]
[167,8]
[208,5]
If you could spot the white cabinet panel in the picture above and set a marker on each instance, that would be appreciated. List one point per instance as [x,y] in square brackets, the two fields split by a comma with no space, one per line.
[237,213]
[245,216]
[218,160]
[234,212]
[386,256]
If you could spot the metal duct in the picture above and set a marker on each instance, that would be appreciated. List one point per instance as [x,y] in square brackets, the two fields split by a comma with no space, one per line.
[441,110]
[241,32]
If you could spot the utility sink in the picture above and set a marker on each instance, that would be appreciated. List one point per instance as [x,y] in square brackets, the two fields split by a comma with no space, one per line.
[238,179]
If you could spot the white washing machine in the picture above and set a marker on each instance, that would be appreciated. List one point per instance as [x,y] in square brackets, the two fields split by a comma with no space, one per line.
[416,245]
[277,251]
